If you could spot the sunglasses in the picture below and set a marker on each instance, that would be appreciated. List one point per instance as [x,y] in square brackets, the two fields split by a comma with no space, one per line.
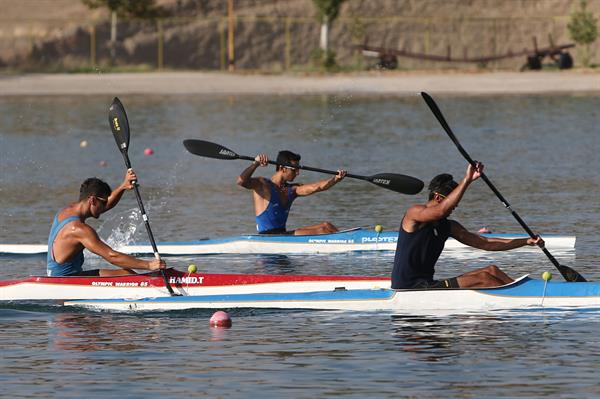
[103,200]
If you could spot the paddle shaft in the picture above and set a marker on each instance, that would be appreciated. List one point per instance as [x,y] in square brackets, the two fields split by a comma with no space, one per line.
[515,215]
[567,273]
[138,197]
[331,172]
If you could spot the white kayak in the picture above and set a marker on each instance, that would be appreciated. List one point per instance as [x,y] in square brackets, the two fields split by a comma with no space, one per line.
[524,293]
[357,239]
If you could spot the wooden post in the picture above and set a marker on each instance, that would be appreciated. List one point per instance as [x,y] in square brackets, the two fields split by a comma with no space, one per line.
[427,36]
[230,32]
[161,44]
[222,45]
[93,45]
[288,44]
[113,37]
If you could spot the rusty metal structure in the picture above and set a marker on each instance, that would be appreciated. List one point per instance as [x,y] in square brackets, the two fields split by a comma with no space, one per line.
[388,58]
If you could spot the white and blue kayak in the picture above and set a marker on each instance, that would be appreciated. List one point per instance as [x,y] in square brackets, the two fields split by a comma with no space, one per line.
[357,239]
[524,293]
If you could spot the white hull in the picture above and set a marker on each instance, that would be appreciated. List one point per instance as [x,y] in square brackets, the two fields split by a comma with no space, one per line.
[347,241]
[525,293]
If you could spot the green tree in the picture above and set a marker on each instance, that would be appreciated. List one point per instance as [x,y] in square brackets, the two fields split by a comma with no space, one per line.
[583,30]
[125,9]
[328,11]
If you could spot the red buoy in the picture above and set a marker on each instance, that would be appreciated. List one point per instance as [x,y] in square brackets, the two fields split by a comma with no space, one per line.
[220,319]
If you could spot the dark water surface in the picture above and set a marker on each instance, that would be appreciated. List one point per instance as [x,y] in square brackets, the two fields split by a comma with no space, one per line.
[540,151]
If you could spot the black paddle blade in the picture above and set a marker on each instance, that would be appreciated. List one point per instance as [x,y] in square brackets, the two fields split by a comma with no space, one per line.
[399,183]
[440,117]
[119,124]
[570,274]
[208,149]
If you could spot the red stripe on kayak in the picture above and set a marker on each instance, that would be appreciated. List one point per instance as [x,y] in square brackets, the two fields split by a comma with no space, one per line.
[178,278]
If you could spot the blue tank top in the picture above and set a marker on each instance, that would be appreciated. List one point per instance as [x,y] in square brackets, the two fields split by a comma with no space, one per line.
[417,253]
[276,214]
[74,265]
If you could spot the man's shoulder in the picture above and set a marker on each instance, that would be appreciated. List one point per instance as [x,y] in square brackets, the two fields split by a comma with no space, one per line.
[78,226]
[415,208]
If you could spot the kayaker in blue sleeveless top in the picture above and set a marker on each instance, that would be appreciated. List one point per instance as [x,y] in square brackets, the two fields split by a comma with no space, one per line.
[69,234]
[425,229]
[273,197]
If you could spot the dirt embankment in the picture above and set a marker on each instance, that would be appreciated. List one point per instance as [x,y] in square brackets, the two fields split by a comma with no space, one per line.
[282,34]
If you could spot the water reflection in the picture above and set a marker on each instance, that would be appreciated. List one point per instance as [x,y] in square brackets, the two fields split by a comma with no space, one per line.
[276,264]
[429,338]
[84,332]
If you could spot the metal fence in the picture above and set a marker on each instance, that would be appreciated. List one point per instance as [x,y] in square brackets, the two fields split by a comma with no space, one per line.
[279,42]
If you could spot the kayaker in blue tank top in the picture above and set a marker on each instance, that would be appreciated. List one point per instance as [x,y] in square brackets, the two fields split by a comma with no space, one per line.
[425,229]
[70,235]
[274,218]
[74,264]
[273,197]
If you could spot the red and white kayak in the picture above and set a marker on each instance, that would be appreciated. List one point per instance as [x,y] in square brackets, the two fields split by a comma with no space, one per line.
[152,285]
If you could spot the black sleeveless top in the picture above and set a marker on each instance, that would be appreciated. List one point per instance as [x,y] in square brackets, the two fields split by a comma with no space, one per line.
[417,253]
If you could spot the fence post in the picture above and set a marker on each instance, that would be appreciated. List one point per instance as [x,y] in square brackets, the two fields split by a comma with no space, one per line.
[230,37]
[427,36]
[93,45]
[161,44]
[288,44]
[222,44]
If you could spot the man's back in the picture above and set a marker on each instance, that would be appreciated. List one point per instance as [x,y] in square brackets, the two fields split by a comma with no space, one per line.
[417,253]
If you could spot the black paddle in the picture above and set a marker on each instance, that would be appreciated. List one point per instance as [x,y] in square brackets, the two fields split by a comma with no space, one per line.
[567,273]
[392,181]
[117,118]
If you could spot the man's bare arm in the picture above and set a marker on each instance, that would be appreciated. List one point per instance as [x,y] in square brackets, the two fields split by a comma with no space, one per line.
[322,185]
[466,237]
[90,240]
[246,180]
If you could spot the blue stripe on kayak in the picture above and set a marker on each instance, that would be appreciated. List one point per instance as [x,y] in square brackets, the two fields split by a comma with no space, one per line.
[525,287]
[345,295]
[354,236]
[535,288]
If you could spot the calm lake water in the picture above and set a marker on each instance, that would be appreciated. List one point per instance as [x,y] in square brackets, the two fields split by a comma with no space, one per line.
[540,151]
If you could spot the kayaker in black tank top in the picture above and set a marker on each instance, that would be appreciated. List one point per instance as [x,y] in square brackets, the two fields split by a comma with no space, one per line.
[424,230]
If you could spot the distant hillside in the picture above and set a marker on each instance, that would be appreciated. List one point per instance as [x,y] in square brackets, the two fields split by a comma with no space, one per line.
[276,35]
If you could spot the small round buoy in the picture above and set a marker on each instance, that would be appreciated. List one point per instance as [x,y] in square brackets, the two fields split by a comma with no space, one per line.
[484,230]
[546,276]
[103,163]
[220,319]
[148,151]
[378,228]
[83,143]
[192,268]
